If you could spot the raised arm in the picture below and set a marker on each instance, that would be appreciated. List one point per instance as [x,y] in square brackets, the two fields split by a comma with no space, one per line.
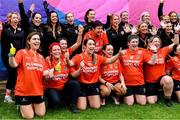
[12,61]
[79,38]
[176,37]
[160,9]
[45,4]
[114,58]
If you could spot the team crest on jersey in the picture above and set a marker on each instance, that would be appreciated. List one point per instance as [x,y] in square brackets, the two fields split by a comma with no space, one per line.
[131,57]
[19,29]
[122,32]
[139,54]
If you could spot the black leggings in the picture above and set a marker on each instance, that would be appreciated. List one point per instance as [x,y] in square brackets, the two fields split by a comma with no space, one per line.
[54,96]
[12,74]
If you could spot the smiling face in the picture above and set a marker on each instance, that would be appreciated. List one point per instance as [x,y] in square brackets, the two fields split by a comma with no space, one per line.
[34,42]
[98,30]
[54,18]
[124,17]
[168,28]
[157,42]
[115,21]
[91,16]
[143,28]
[89,47]
[173,17]
[108,52]
[37,19]
[63,44]
[146,18]
[56,51]
[166,19]
[133,44]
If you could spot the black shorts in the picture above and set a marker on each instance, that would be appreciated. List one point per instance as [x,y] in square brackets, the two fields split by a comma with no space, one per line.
[152,88]
[139,90]
[27,100]
[89,89]
[176,85]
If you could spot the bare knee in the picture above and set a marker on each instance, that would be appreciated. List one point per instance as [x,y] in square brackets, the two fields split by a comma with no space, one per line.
[40,113]
[39,109]
[141,99]
[81,107]
[141,102]
[167,81]
[82,103]
[151,99]
[104,90]
[129,101]
[29,115]
[95,106]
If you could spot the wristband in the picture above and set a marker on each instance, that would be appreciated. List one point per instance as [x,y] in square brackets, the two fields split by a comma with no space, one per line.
[105,82]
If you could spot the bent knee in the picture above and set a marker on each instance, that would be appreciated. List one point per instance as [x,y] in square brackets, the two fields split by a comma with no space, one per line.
[40,114]
[27,116]
[142,102]
[167,80]
[95,106]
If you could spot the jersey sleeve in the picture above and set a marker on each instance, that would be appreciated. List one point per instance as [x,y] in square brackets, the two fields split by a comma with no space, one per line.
[102,59]
[19,57]
[166,50]
[105,38]
[146,55]
[76,59]
[169,64]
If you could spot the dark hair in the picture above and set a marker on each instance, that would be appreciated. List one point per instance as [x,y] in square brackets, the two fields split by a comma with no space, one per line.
[130,37]
[123,12]
[152,38]
[97,23]
[30,35]
[85,44]
[86,14]
[49,17]
[175,48]
[49,25]
[63,38]
[33,15]
[104,47]
[67,14]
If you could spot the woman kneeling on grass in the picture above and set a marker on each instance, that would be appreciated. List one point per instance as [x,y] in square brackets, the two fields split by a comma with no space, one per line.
[30,71]
[59,86]
[88,65]
[132,60]
[173,66]
[111,78]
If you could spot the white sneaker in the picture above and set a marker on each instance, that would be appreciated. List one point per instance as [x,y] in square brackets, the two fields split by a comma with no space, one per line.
[8,99]
[103,102]
[116,100]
